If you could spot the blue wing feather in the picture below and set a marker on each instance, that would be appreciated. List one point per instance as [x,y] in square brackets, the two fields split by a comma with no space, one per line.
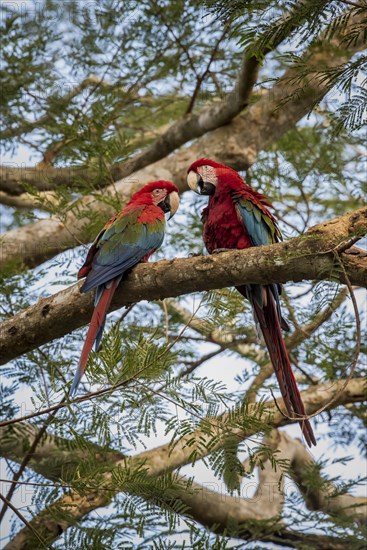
[262,230]
[115,256]
[254,220]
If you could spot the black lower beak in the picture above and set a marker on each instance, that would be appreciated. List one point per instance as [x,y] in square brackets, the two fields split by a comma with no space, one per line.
[165,205]
[170,204]
[206,188]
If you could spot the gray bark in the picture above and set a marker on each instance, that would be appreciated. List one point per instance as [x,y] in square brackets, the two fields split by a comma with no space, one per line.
[62,313]
[248,134]
[73,506]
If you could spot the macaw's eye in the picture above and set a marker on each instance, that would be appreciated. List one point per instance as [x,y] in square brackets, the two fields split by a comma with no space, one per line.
[157,191]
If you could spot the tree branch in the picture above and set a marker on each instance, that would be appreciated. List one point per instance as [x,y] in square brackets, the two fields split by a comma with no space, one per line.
[250,77]
[192,126]
[29,526]
[263,123]
[28,201]
[226,338]
[223,336]
[62,313]
[205,440]
[241,517]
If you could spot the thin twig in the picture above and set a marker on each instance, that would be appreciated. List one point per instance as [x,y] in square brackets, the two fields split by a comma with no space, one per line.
[206,71]
[8,504]
[98,393]
[193,365]
[177,39]
[27,457]
[125,313]
[169,399]
[291,311]
[312,381]
[166,318]
[97,487]
[277,406]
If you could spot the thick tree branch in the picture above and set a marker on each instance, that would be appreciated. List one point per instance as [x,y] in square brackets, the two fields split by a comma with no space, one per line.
[57,315]
[213,432]
[206,439]
[192,126]
[262,124]
[240,516]
[66,456]
[321,494]
[223,336]
[209,118]
[28,201]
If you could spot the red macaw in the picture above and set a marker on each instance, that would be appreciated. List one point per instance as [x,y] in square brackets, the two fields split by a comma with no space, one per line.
[237,217]
[129,237]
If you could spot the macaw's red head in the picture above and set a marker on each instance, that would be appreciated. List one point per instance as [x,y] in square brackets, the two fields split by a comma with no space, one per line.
[204,175]
[160,193]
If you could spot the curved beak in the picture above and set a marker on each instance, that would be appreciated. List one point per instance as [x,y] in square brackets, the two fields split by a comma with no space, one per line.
[198,185]
[193,179]
[170,204]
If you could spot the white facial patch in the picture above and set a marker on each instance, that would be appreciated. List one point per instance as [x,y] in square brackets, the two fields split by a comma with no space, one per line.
[158,195]
[208,174]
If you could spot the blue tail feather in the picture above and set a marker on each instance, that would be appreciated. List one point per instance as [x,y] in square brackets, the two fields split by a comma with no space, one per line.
[77,377]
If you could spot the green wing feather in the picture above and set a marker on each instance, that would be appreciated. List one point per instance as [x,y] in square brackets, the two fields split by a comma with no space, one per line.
[259,223]
[121,245]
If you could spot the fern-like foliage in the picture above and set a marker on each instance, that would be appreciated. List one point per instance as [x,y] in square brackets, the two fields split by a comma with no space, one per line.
[291,25]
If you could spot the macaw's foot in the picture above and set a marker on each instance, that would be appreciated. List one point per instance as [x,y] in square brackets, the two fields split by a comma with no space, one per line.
[220,250]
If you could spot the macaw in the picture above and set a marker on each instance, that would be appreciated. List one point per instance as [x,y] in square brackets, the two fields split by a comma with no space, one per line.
[237,217]
[129,237]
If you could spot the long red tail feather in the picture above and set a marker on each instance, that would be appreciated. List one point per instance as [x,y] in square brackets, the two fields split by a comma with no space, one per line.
[270,327]
[98,317]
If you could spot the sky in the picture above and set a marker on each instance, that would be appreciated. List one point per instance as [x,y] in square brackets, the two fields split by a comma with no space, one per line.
[222,369]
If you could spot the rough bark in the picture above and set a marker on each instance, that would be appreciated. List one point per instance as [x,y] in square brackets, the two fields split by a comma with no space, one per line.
[73,506]
[66,457]
[256,129]
[191,127]
[62,313]
[197,124]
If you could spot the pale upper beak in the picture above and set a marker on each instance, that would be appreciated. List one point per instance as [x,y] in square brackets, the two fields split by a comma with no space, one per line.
[193,179]
[170,204]
[174,202]
[198,185]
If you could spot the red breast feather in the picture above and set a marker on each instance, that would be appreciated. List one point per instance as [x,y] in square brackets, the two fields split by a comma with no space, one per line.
[222,227]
